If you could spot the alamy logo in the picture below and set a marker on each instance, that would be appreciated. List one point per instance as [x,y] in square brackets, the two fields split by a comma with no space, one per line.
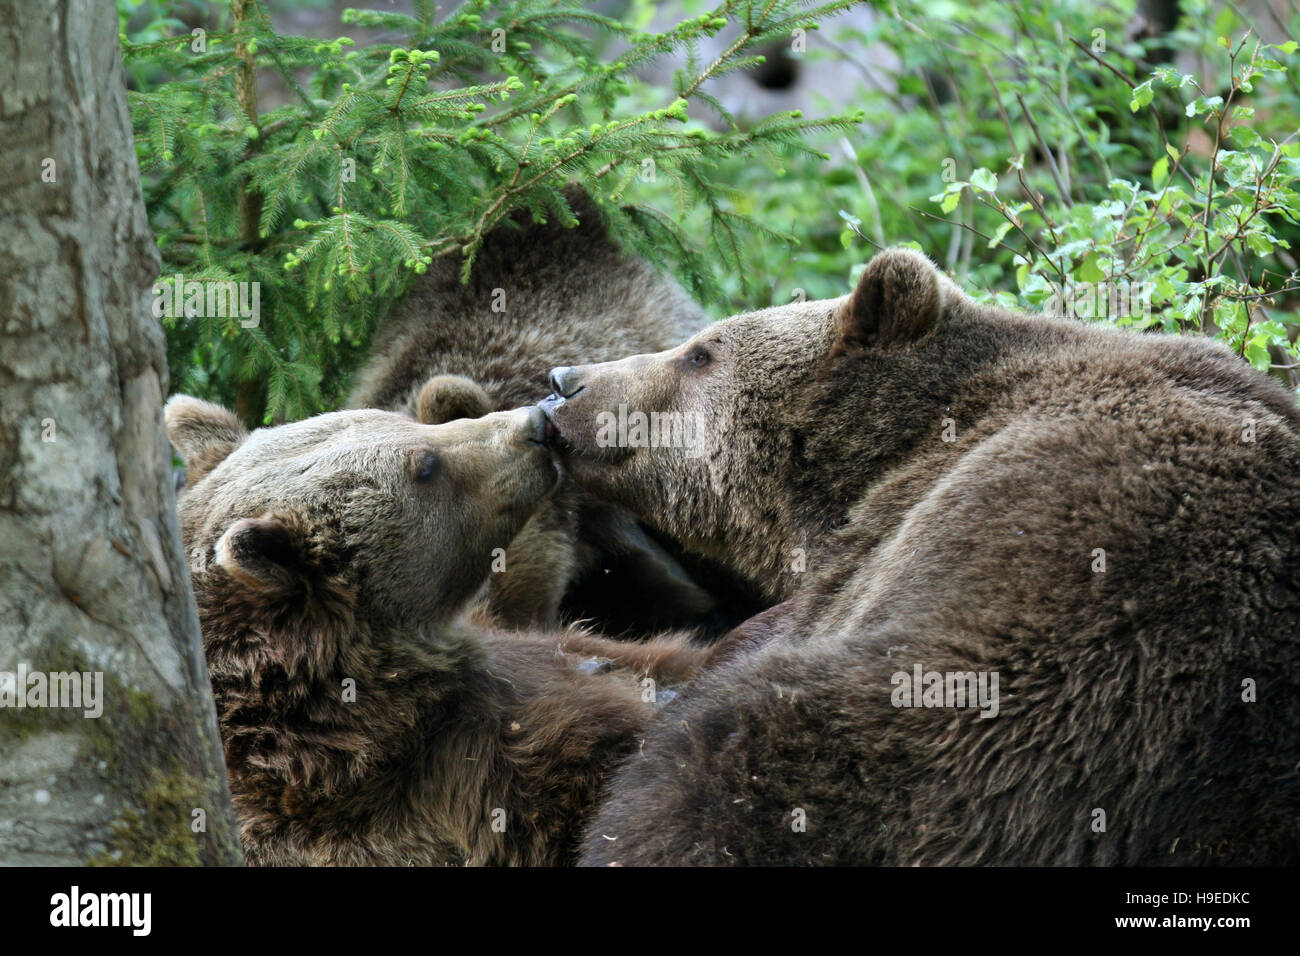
[1100,300]
[103,909]
[38,689]
[656,430]
[211,299]
[923,688]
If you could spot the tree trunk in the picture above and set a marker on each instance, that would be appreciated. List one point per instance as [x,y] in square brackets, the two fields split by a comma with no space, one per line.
[93,580]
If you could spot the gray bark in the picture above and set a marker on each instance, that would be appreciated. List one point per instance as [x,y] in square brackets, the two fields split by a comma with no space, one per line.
[92,573]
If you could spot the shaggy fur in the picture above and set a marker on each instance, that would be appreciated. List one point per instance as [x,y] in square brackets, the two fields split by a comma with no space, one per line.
[541,295]
[366,718]
[827,482]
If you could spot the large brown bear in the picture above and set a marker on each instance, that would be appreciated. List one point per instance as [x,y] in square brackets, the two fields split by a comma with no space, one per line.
[541,294]
[1040,585]
[365,719]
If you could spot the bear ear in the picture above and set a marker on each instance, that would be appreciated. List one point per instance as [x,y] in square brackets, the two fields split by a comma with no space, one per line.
[203,433]
[262,553]
[897,301]
[446,398]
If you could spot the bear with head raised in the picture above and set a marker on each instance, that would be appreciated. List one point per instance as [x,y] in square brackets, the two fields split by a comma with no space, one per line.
[366,718]
[542,294]
[1037,587]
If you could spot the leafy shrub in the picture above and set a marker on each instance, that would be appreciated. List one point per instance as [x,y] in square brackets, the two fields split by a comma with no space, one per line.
[1197,223]
[1053,164]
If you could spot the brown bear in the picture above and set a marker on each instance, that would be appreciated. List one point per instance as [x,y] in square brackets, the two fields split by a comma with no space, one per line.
[366,719]
[541,294]
[1040,585]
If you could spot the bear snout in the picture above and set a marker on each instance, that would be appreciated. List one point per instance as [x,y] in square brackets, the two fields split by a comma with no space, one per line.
[566,381]
[538,428]
[550,405]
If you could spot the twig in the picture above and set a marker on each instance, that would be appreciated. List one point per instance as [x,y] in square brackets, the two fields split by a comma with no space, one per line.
[1047,151]
[1018,158]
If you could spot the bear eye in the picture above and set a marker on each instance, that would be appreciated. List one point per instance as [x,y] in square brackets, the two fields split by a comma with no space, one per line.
[424,465]
[699,357]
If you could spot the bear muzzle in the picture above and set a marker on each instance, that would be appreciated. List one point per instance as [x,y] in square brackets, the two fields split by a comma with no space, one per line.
[566,381]
[539,429]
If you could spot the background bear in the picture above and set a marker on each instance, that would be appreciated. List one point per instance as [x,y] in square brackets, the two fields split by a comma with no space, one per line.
[1103,520]
[365,720]
[539,295]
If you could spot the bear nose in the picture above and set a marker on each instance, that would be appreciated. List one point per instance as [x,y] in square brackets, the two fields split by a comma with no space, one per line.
[564,380]
[538,427]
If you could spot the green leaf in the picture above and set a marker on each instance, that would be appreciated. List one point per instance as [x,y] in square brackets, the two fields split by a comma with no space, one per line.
[1245,137]
[1160,172]
[1259,243]
[1142,96]
[1000,232]
[984,180]
[1090,271]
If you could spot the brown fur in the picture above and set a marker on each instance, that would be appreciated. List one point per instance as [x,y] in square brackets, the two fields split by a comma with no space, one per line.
[347,548]
[1119,690]
[539,295]
[204,434]
[445,398]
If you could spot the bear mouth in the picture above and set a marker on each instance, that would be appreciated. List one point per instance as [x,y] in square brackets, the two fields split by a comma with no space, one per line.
[549,435]
[554,438]
[576,446]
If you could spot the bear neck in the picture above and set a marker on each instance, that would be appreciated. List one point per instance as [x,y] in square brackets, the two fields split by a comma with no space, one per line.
[321,715]
[877,428]
[449,724]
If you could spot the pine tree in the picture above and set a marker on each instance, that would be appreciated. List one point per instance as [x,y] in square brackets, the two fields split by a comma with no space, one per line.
[391,154]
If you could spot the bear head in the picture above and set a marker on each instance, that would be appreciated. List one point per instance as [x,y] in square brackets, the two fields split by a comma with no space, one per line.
[761,430]
[395,519]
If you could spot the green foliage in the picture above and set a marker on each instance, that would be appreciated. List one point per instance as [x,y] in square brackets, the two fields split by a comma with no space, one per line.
[1191,203]
[380,157]
[1035,152]
[1049,163]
